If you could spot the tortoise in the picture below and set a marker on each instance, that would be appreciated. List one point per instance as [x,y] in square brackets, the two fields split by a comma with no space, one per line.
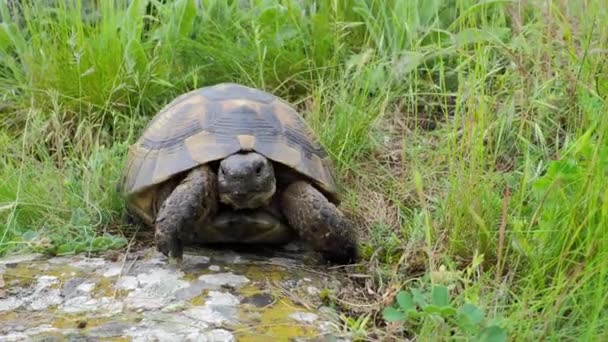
[228,163]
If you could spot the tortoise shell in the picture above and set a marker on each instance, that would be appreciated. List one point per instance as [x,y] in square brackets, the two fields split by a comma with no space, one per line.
[211,123]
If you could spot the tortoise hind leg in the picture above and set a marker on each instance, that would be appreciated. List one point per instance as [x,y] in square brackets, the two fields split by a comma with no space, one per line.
[319,222]
[193,200]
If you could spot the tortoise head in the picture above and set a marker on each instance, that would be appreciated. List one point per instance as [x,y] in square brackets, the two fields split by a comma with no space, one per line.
[246,180]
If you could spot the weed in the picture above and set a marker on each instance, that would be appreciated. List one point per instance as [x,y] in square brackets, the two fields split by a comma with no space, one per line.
[435,308]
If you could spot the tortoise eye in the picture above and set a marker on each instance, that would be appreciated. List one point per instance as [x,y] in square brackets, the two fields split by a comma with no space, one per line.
[258,169]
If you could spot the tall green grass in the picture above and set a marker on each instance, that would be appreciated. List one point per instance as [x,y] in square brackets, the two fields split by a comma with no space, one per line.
[469,136]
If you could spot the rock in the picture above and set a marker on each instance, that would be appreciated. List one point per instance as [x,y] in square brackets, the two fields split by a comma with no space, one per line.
[86,287]
[46,281]
[165,327]
[145,335]
[13,260]
[127,283]
[10,303]
[195,289]
[222,279]
[259,300]
[79,304]
[220,307]
[89,263]
[140,300]
[221,299]
[44,332]
[14,337]
[70,288]
[76,298]
[194,262]
[112,271]
[156,289]
[283,261]
[175,307]
[313,291]
[230,258]
[216,335]
[44,299]
[206,315]
[305,317]
[111,329]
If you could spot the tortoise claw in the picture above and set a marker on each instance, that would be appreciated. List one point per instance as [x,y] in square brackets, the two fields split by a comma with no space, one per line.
[170,245]
[177,261]
[320,223]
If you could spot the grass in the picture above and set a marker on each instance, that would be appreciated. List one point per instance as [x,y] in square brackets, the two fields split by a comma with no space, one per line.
[469,136]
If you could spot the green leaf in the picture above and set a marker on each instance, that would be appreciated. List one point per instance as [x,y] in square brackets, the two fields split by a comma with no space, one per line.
[448,311]
[405,301]
[135,56]
[5,40]
[493,333]
[475,36]
[187,9]
[441,296]
[107,242]
[30,235]
[418,298]
[428,11]
[432,308]
[66,248]
[413,314]
[393,315]
[472,313]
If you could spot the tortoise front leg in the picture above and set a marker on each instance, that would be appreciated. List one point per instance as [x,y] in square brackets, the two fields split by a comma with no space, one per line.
[319,222]
[193,200]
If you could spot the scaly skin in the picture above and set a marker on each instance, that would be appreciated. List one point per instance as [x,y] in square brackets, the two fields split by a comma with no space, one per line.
[246,181]
[320,223]
[193,200]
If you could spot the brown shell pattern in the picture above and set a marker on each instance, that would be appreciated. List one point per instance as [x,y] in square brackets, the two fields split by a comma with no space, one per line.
[214,122]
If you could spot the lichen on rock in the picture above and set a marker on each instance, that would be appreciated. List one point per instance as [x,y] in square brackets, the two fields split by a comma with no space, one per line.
[215,296]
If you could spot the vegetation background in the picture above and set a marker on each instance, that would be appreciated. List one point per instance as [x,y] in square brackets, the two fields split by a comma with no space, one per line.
[469,137]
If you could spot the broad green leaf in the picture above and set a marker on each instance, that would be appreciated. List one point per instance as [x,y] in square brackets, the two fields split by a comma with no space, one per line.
[493,333]
[405,301]
[432,308]
[393,315]
[472,313]
[413,314]
[448,311]
[418,298]
[441,296]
